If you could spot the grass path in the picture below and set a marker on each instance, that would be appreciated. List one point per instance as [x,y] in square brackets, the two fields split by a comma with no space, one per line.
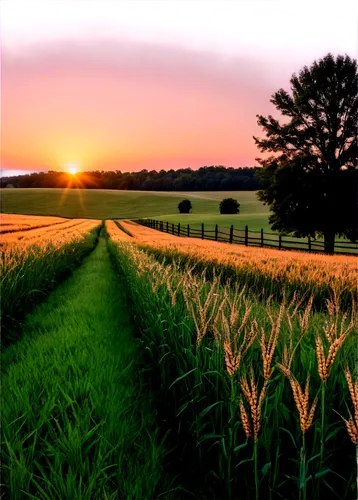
[76,414]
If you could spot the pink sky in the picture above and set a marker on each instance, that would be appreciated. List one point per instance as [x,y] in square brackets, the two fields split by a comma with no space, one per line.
[113,89]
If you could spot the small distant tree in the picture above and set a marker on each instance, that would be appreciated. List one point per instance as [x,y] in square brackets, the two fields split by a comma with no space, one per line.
[185,206]
[229,206]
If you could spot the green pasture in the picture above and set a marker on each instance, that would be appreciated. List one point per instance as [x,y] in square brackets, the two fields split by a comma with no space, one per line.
[111,204]
[255,221]
[159,205]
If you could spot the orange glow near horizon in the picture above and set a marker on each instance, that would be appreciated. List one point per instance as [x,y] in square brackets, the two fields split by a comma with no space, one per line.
[72,168]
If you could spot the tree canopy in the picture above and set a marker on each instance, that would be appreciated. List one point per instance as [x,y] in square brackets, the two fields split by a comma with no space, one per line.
[311,182]
[213,178]
[185,206]
[229,206]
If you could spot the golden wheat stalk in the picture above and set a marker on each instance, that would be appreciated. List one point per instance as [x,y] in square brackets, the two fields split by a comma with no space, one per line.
[305,317]
[289,351]
[352,429]
[233,305]
[325,364]
[203,314]
[352,423]
[174,292]
[243,323]
[295,303]
[232,361]
[250,392]
[268,347]
[234,356]
[250,335]
[301,399]
[245,419]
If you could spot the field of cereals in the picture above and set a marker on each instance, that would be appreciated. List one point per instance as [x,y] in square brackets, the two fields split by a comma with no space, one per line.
[137,364]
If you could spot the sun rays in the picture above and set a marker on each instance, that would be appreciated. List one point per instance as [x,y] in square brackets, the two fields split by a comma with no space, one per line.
[78,181]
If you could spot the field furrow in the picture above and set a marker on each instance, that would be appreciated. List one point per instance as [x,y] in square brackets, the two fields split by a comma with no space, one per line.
[76,415]
[32,267]
[116,233]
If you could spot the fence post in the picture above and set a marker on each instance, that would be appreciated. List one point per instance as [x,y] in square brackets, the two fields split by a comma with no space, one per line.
[167,227]
[216,232]
[179,229]
[246,235]
[161,225]
[231,233]
[262,237]
[172,227]
[188,231]
[309,244]
[279,242]
[202,231]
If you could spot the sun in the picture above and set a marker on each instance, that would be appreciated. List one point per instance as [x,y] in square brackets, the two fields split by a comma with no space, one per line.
[72,168]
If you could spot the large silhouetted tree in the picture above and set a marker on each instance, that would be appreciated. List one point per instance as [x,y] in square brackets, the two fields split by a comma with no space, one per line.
[310,182]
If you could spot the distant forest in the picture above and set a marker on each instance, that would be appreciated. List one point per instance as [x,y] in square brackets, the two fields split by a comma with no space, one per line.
[214,178]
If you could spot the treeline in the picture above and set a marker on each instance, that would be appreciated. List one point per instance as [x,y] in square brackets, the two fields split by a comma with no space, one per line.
[214,178]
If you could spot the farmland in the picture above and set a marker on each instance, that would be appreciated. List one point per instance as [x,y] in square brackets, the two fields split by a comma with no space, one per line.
[159,205]
[110,204]
[163,367]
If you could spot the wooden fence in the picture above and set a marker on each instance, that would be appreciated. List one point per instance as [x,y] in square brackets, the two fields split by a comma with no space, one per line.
[248,237]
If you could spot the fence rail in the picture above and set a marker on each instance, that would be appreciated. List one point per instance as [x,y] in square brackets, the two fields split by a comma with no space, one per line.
[248,237]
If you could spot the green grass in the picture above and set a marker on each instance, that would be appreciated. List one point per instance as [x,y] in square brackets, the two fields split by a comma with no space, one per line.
[30,273]
[255,222]
[110,204]
[76,408]
[159,205]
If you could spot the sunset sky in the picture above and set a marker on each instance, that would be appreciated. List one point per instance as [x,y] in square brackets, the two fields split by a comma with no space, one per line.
[116,84]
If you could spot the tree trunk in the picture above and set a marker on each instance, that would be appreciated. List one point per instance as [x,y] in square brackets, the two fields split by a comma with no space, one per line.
[329,237]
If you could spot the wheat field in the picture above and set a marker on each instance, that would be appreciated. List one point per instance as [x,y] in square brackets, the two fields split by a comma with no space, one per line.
[249,356]
[233,360]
